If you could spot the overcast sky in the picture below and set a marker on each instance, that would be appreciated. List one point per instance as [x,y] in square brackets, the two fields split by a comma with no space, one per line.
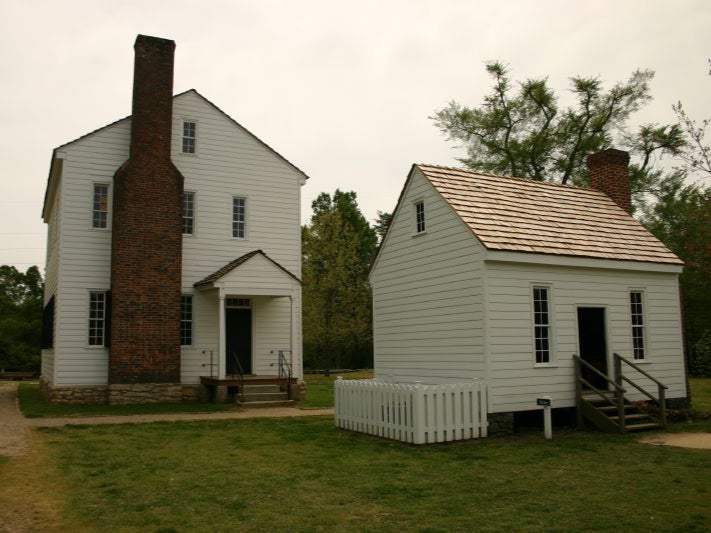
[343,89]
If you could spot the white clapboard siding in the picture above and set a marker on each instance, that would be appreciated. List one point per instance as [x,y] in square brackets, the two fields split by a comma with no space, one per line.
[229,162]
[414,413]
[515,381]
[427,295]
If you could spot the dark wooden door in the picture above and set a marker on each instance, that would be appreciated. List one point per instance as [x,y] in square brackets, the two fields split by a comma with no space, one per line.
[593,344]
[239,339]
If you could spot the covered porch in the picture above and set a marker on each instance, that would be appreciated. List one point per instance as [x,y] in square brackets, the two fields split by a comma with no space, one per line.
[258,328]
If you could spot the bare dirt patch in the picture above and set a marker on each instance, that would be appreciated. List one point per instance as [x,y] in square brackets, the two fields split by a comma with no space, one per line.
[700,440]
[13,429]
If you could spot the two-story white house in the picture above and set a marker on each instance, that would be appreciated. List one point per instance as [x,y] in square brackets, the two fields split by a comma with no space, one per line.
[159,282]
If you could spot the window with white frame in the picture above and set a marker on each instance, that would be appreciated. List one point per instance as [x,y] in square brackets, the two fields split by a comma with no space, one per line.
[188,213]
[637,315]
[420,216]
[239,217]
[100,207]
[186,320]
[542,326]
[189,137]
[97,318]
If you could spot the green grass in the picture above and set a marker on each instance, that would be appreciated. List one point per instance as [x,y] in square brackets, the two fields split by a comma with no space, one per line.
[33,406]
[701,394]
[306,475]
[319,388]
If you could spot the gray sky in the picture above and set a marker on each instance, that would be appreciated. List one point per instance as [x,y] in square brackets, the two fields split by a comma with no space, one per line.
[343,89]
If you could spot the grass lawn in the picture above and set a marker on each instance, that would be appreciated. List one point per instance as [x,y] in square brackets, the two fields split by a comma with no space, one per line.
[32,406]
[305,475]
[319,388]
[701,394]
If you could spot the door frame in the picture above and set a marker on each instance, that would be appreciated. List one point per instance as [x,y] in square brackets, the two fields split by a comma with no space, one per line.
[606,331]
[241,304]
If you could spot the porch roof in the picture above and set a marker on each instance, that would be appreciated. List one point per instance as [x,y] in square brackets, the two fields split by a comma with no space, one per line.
[263,275]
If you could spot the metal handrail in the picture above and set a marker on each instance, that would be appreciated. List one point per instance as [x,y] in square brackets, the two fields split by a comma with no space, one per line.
[661,387]
[240,375]
[285,370]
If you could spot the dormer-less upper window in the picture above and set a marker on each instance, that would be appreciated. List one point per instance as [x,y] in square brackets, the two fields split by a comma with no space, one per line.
[420,217]
[189,137]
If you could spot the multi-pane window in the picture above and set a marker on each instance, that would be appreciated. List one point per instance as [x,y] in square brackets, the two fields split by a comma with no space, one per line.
[100,207]
[420,217]
[189,137]
[186,320]
[542,326]
[637,313]
[239,217]
[188,213]
[97,318]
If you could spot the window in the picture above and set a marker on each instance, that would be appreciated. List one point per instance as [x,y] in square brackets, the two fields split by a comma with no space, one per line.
[186,320]
[189,137]
[188,213]
[420,217]
[542,327]
[48,324]
[238,303]
[97,318]
[637,313]
[239,217]
[100,207]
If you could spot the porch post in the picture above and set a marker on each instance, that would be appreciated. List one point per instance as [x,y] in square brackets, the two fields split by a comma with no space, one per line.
[222,340]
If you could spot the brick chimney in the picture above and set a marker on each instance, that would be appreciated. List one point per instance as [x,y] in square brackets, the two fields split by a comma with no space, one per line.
[146,247]
[609,173]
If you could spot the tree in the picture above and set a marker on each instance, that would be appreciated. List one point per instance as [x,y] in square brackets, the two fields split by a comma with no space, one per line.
[523,132]
[681,218]
[20,318]
[338,247]
[382,223]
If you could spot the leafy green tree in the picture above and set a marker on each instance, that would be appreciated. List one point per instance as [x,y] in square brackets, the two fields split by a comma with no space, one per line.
[338,246]
[20,318]
[521,130]
[382,223]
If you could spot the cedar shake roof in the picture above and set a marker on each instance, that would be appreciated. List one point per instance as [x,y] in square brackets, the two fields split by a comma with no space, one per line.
[229,267]
[523,215]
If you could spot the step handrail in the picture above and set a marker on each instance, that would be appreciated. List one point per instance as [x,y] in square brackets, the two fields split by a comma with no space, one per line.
[661,387]
[579,380]
[240,375]
[285,371]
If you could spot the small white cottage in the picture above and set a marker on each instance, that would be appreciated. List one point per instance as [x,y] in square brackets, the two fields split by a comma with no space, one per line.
[505,279]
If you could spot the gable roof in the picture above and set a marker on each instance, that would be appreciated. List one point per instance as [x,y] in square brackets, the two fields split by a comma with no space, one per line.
[523,215]
[229,267]
[193,91]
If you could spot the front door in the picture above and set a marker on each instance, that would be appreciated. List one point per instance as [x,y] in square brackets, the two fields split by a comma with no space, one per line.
[593,344]
[239,339]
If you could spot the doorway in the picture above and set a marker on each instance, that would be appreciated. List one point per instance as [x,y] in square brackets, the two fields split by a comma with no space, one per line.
[592,339]
[239,339]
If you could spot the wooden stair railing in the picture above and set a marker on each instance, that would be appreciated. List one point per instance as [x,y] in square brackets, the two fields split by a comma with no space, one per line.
[609,410]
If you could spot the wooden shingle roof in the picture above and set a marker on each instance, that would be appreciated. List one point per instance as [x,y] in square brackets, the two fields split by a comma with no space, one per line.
[523,215]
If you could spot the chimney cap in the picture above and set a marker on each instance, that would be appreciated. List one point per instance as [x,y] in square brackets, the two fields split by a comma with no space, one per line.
[609,155]
[148,40]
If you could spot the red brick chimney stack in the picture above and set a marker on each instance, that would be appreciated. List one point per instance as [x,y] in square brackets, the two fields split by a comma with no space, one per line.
[151,120]
[609,173]
[146,247]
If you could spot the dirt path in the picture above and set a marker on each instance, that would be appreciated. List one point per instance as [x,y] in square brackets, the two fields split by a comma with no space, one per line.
[700,440]
[14,432]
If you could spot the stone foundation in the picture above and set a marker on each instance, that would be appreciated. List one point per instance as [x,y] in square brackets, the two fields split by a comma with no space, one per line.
[79,395]
[501,424]
[298,390]
[145,393]
[192,393]
[118,394]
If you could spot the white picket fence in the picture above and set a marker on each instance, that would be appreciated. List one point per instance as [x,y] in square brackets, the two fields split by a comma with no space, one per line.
[413,413]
